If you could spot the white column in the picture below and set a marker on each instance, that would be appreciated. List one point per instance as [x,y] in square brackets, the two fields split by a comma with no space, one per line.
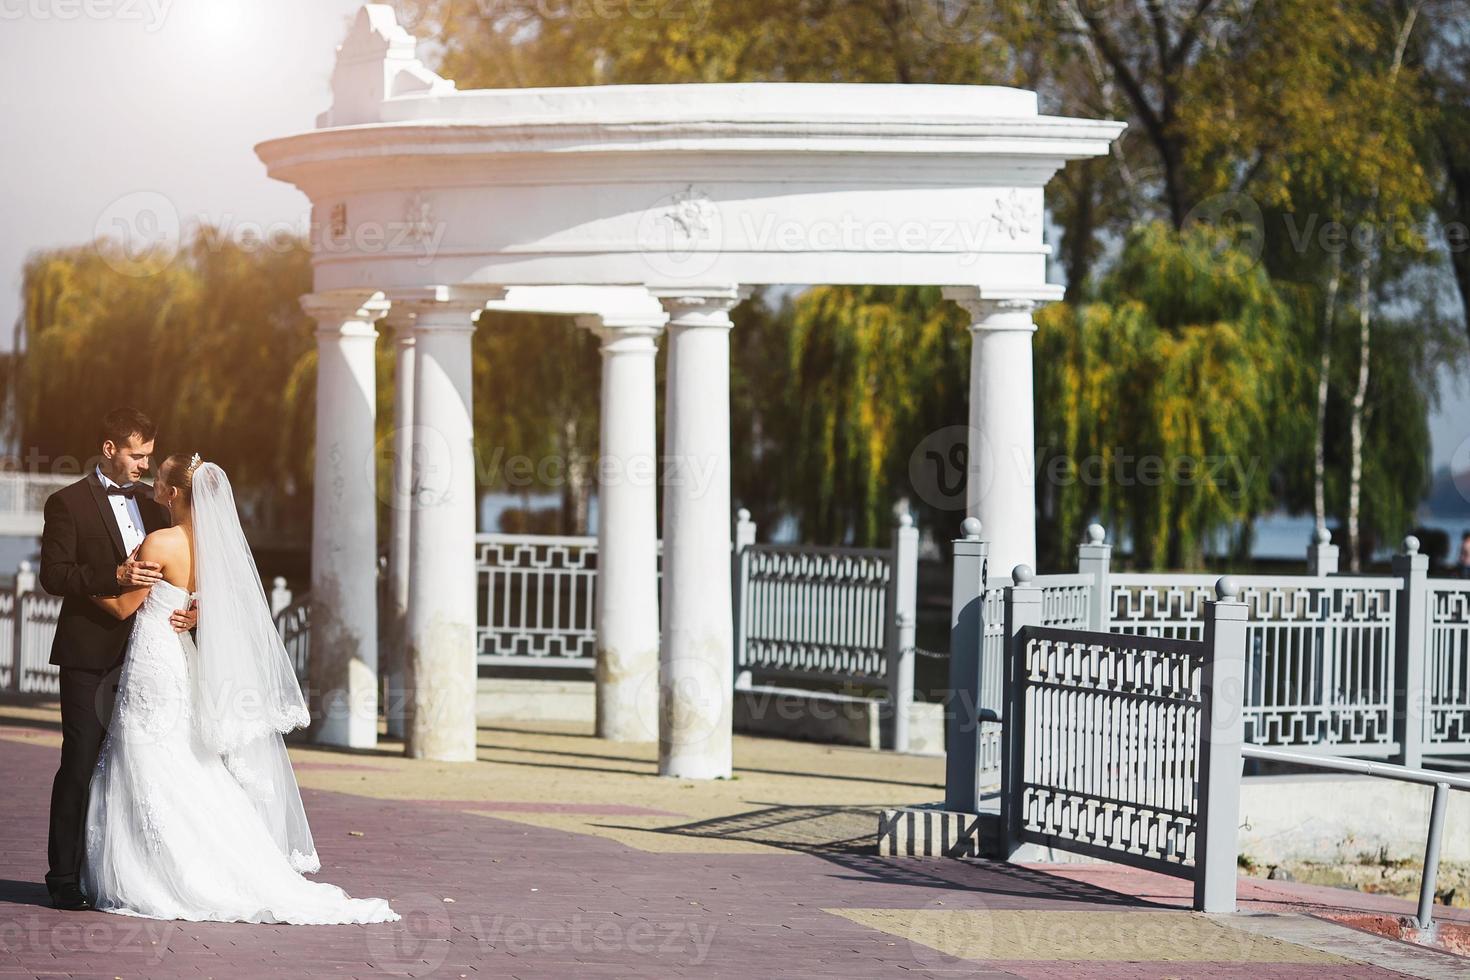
[400,501]
[627,530]
[441,563]
[1001,478]
[695,668]
[343,667]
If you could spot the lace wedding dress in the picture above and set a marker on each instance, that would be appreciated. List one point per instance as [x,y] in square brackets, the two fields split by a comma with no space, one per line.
[180,828]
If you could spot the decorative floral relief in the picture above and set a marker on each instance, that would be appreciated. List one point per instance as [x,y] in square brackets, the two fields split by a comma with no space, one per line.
[1013,215]
[692,214]
[418,217]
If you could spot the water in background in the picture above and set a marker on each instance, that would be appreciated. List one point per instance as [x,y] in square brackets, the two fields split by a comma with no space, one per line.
[13,551]
[1279,536]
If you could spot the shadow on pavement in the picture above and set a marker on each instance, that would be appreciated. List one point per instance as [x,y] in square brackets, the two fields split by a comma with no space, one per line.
[847,837]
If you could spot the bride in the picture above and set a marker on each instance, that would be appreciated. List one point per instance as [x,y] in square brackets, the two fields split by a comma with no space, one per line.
[194,811]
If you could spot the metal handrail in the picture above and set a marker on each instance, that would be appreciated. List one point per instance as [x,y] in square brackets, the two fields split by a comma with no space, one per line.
[1442,782]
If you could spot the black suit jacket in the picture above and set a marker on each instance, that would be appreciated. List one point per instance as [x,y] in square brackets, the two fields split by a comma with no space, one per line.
[81,547]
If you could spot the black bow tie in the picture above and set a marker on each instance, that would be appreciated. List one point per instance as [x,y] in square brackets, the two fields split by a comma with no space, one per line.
[131,490]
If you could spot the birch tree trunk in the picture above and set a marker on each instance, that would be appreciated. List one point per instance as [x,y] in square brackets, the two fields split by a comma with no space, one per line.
[1365,336]
[1360,398]
[1329,314]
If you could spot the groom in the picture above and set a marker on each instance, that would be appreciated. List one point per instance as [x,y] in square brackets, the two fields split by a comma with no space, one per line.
[89,548]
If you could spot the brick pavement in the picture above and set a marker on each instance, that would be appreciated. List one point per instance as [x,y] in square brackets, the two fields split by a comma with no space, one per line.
[638,876]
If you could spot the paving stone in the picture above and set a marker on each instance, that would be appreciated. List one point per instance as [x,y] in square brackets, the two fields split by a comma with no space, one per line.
[539,901]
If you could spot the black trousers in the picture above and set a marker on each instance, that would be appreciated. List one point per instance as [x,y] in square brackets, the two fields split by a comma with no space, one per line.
[86,710]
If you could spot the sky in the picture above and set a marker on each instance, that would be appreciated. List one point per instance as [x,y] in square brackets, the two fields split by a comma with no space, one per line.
[121,110]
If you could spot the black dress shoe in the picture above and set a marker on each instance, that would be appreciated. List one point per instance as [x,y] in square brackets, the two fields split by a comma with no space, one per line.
[69,898]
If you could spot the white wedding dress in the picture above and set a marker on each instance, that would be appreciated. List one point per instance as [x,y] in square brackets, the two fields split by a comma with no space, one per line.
[171,831]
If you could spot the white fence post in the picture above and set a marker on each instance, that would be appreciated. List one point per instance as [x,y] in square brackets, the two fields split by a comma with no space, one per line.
[1094,558]
[962,701]
[905,573]
[1411,653]
[1221,731]
[280,596]
[25,583]
[1022,609]
[743,539]
[1322,553]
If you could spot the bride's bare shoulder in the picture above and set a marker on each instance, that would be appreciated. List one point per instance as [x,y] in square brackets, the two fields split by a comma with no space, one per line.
[163,543]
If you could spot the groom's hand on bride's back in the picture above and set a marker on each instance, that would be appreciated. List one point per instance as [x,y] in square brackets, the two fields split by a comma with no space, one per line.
[183,620]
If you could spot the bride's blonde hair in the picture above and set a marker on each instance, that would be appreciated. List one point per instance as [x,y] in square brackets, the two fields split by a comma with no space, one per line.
[178,472]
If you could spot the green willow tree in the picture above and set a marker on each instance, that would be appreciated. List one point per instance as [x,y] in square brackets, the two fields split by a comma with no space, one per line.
[1162,399]
[536,388]
[210,341]
[871,372]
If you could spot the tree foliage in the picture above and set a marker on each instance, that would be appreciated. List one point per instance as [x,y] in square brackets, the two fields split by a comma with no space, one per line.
[211,342]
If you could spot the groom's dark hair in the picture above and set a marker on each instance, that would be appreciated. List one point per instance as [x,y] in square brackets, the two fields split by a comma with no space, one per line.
[121,424]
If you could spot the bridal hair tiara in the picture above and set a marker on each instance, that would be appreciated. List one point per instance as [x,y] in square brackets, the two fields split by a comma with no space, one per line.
[193,465]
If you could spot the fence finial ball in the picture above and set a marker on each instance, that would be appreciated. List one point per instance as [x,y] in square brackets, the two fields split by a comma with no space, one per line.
[970,528]
[1096,533]
[742,515]
[905,519]
[1411,545]
[1226,588]
[1023,575]
[1323,536]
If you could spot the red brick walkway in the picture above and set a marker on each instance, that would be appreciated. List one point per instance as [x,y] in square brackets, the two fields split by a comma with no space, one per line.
[531,902]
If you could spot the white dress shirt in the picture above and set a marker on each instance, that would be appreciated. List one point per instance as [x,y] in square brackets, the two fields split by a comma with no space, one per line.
[125,511]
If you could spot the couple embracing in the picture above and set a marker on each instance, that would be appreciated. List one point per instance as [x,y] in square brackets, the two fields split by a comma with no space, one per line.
[177,800]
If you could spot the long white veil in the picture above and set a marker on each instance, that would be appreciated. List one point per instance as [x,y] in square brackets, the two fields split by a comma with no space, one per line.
[246,687]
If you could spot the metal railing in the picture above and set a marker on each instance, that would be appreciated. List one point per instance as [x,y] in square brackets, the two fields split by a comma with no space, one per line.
[293,622]
[838,616]
[538,600]
[23,499]
[1359,665]
[1320,652]
[1442,783]
[1118,746]
[27,626]
[1447,670]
